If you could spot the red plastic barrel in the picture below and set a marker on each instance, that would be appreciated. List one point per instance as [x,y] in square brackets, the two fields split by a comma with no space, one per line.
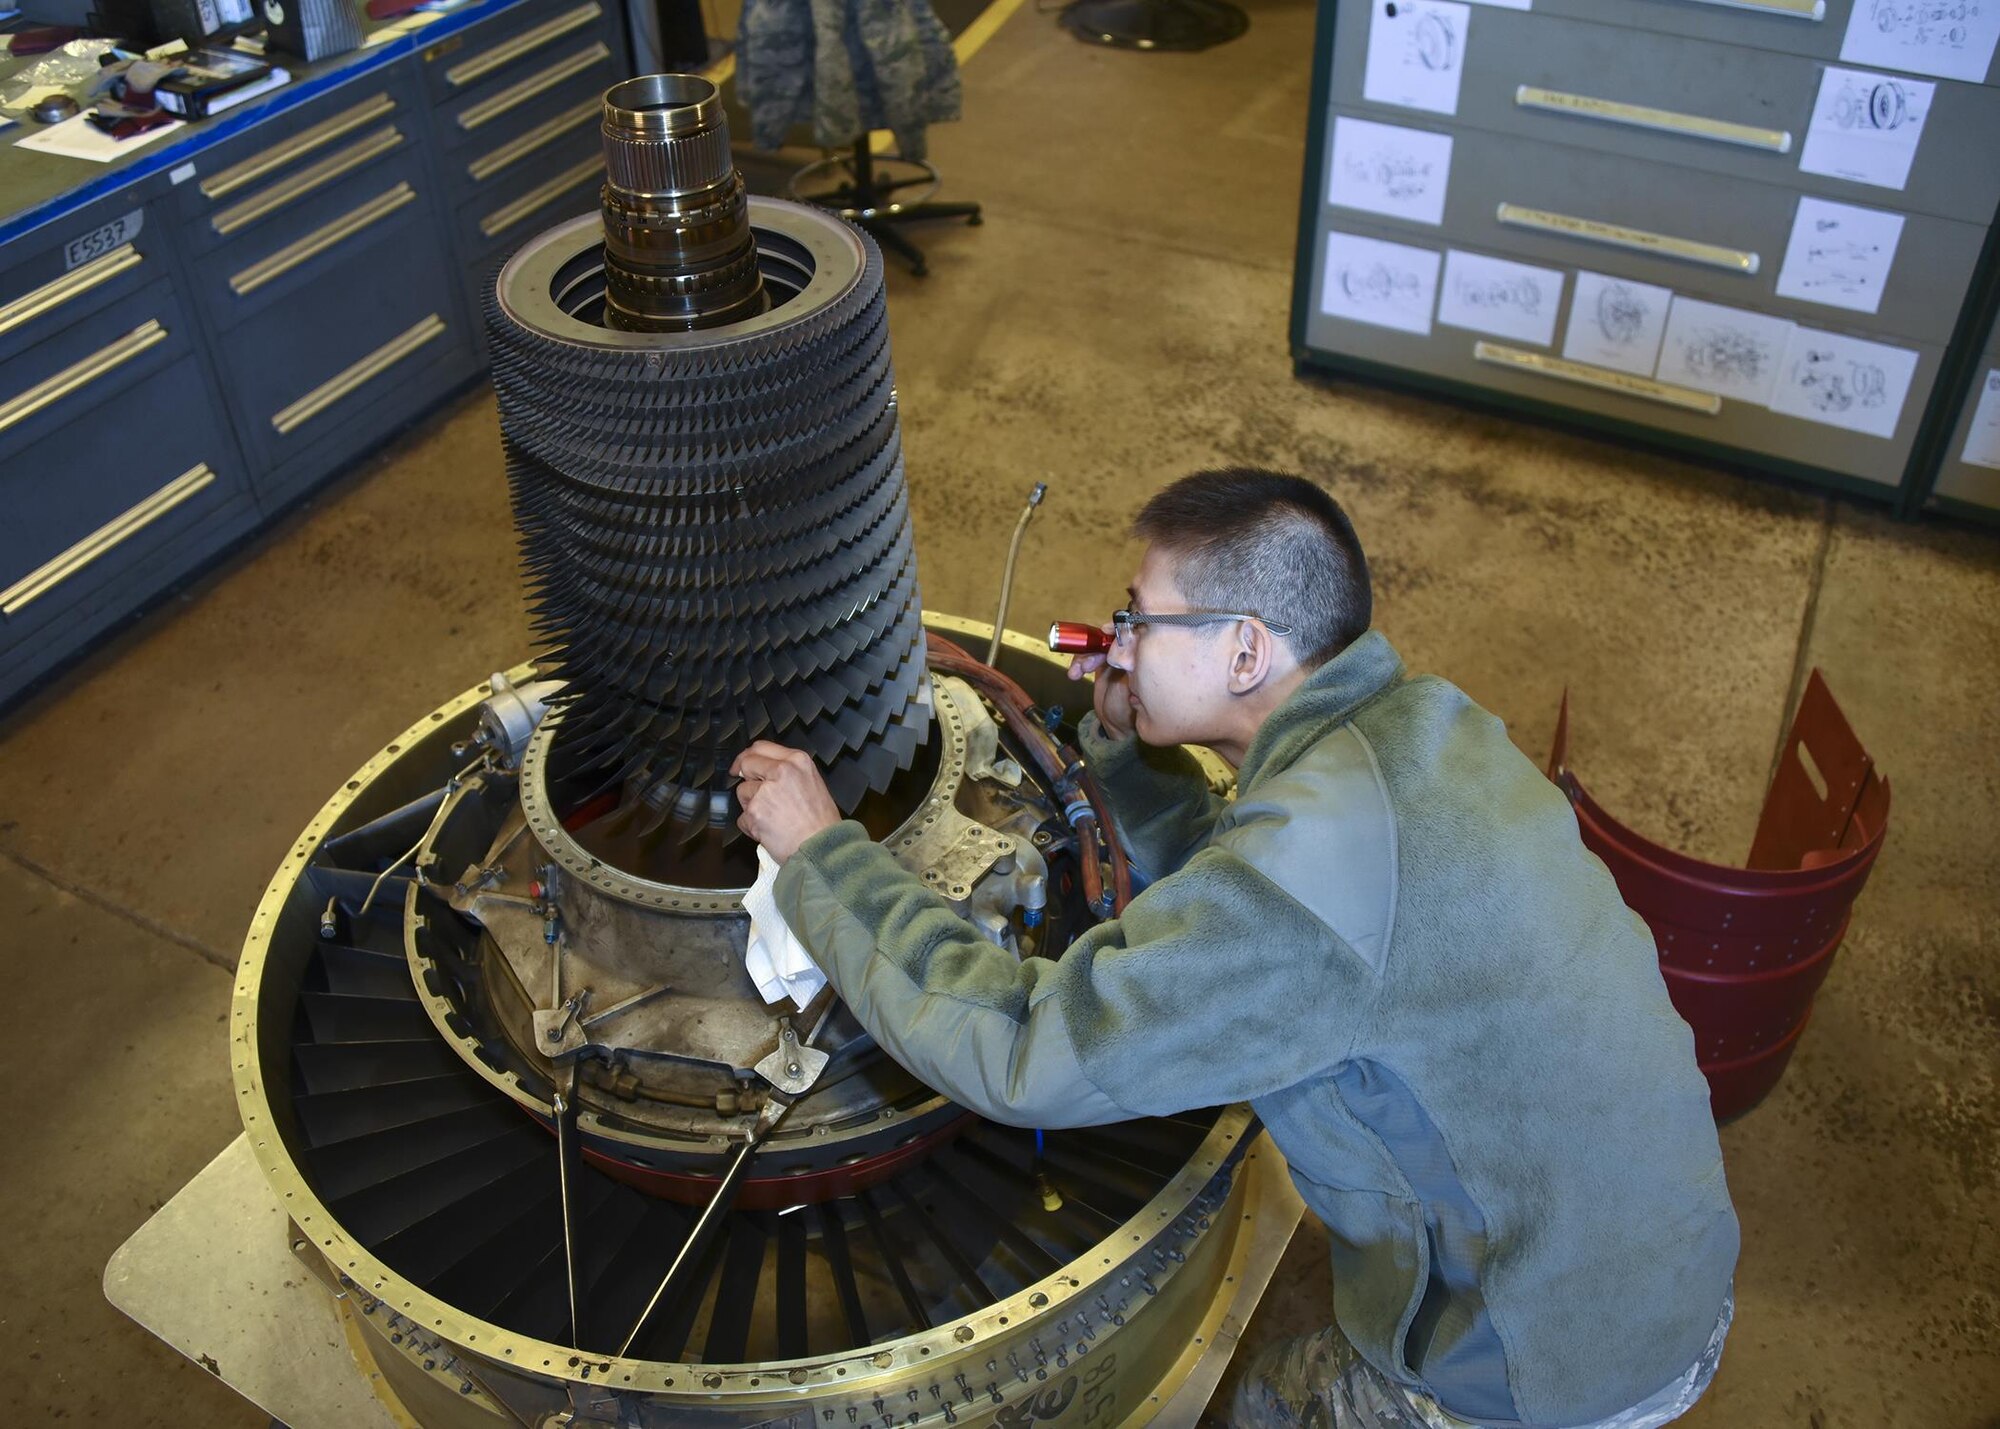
[1744,950]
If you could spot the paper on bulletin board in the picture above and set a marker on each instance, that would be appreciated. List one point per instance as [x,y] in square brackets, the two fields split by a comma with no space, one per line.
[1616,323]
[1387,284]
[1731,352]
[1416,53]
[1982,442]
[1866,127]
[1839,255]
[1844,381]
[1952,39]
[1507,4]
[1497,296]
[1390,170]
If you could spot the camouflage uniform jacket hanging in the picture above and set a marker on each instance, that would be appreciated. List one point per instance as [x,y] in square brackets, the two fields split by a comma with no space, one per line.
[848,66]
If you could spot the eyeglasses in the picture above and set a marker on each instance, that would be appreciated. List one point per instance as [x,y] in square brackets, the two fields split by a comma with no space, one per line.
[1123,622]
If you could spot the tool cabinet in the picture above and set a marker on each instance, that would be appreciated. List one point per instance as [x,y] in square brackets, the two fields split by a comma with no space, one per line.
[1690,224]
[201,333]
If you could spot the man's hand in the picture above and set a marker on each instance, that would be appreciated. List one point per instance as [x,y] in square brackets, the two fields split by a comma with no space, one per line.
[784,799]
[1112,695]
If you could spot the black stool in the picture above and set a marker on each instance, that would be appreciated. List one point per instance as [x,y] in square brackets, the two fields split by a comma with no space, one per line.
[1154,24]
[870,200]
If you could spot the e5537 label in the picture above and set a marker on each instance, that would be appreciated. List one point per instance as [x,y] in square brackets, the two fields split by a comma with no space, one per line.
[100,241]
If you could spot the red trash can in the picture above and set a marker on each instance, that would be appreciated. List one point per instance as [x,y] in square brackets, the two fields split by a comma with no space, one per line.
[1743,950]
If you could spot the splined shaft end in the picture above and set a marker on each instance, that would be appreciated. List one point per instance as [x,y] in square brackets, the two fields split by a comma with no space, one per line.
[678,250]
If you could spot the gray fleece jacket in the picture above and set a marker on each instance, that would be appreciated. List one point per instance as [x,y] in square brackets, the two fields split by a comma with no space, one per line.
[1394,945]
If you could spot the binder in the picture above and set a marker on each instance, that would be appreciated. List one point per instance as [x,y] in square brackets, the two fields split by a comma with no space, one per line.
[211,81]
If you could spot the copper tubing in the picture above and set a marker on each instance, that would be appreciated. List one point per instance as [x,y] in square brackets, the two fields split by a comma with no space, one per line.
[679,253]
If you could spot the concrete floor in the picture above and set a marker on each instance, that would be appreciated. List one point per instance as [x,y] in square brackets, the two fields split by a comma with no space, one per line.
[1118,321]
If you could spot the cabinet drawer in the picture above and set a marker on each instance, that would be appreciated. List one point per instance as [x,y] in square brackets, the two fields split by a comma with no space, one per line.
[1974,484]
[567,122]
[277,151]
[1786,26]
[310,366]
[87,363]
[1728,109]
[84,264]
[540,92]
[1928,279]
[1740,22]
[272,202]
[372,212]
[116,483]
[498,52]
[560,185]
[1448,354]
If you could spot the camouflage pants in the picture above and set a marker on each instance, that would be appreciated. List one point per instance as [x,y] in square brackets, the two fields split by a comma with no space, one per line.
[1319,1381]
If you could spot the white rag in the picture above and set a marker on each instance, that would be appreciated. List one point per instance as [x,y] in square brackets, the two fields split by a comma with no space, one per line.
[775,958]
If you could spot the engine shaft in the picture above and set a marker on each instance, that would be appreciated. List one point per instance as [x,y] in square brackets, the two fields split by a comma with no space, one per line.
[678,249]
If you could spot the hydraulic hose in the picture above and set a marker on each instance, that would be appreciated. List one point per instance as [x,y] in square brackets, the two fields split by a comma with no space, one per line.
[1059,763]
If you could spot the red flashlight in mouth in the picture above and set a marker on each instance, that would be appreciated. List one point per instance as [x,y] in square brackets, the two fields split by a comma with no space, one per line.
[1072,637]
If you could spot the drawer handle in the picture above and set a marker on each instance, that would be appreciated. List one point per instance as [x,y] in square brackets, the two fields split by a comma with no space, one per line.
[501,55]
[73,284]
[304,142]
[487,165]
[78,375]
[1665,121]
[1612,235]
[316,243]
[502,219]
[1604,378]
[306,180]
[515,95]
[52,573]
[343,383]
[1793,9]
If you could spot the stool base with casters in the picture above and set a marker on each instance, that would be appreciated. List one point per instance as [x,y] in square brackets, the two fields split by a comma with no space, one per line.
[876,201]
[1155,24]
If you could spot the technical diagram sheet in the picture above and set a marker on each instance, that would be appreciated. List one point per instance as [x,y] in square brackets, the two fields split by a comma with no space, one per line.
[1865,127]
[1492,295]
[1615,322]
[1952,39]
[1387,284]
[1844,381]
[1982,442]
[1390,170]
[1416,53]
[1728,351]
[1839,255]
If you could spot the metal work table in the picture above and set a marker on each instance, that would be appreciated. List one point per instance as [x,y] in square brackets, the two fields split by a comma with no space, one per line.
[38,188]
[198,333]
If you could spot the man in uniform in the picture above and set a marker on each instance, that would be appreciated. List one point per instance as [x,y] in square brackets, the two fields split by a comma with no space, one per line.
[1391,943]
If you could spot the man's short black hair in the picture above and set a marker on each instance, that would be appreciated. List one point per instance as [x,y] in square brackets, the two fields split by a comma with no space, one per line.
[1266,544]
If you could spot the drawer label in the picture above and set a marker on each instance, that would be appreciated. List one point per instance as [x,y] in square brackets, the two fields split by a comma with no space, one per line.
[100,241]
